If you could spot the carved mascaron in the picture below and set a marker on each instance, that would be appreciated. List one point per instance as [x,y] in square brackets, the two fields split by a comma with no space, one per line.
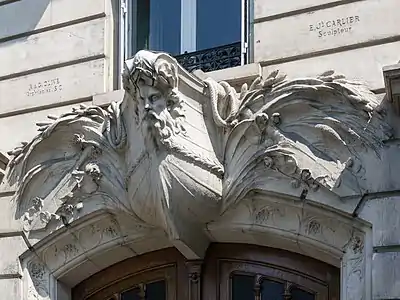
[178,150]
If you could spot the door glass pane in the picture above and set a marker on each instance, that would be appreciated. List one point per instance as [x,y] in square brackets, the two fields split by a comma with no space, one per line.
[132,294]
[298,294]
[143,26]
[218,23]
[156,290]
[242,287]
[165,26]
[157,25]
[272,290]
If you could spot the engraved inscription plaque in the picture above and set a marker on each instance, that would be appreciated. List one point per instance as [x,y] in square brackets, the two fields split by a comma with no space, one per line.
[334,27]
[44,87]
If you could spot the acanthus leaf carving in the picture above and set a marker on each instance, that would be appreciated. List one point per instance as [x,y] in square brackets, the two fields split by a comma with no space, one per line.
[310,133]
[142,154]
[39,284]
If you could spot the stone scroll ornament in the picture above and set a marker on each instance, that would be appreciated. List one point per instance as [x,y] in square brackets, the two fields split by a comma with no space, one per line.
[142,155]
[296,137]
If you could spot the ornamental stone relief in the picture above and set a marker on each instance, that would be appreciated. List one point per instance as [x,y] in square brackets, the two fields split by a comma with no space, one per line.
[179,152]
[38,285]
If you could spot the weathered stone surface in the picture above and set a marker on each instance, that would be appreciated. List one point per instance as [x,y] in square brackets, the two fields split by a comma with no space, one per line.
[236,75]
[52,47]
[180,153]
[263,8]
[386,275]
[23,125]
[51,87]
[10,249]
[107,98]
[7,212]
[43,13]
[11,288]
[353,23]
[384,215]
[367,70]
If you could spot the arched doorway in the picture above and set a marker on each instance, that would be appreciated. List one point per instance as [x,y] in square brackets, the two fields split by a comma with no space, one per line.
[229,272]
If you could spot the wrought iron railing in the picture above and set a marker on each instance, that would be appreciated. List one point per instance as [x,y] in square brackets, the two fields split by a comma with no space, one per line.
[218,58]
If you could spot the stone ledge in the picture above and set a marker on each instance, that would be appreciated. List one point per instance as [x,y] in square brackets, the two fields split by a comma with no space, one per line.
[386,249]
[386,275]
[106,98]
[279,9]
[237,75]
[11,248]
[383,215]
[11,288]
[3,164]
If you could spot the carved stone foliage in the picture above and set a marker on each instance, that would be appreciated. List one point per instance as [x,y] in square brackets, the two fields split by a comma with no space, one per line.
[75,157]
[136,156]
[102,232]
[38,283]
[354,264]
[309,134]
[176,151]
[301,228]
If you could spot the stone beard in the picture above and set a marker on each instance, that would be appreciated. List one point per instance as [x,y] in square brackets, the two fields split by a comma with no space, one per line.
[160,115]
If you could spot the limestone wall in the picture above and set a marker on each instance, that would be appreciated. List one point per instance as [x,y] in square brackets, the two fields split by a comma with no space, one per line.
[52,53]
[55,54]
[306,38]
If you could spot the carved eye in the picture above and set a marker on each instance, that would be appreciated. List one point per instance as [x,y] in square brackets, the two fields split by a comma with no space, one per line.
[155,97]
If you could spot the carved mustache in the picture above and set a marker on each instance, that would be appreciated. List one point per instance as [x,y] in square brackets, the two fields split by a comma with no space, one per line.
[151,115]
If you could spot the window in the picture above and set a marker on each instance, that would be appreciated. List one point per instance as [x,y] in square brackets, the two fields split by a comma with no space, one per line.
[248,272]
[187,27]
[229,272]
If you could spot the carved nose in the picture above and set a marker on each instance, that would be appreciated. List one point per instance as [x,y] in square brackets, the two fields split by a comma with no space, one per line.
[147,107]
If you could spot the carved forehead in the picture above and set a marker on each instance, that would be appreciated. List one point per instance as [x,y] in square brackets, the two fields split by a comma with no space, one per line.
[151,68]
[141,65]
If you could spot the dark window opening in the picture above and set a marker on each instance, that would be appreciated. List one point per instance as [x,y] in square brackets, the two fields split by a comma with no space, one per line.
[201,34]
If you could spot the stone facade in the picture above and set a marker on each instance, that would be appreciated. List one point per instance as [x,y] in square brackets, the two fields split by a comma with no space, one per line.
[305,163]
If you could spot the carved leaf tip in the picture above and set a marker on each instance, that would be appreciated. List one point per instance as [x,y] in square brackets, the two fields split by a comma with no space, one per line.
[273,78]
[40,124]
[327,73]
[244,89]
[52,117]
[330,75]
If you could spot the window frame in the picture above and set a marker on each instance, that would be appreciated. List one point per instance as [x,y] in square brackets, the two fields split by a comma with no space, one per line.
[166,264]
[222,260]
[128,30]
[245,259]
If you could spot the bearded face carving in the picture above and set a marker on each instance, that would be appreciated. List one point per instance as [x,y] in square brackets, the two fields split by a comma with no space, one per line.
[152,80]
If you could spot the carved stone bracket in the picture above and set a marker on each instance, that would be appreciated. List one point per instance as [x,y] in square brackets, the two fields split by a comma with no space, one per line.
[178,154]
[38,277]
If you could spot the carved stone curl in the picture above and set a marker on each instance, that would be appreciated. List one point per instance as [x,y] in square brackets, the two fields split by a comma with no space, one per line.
[177,151]
[306,133]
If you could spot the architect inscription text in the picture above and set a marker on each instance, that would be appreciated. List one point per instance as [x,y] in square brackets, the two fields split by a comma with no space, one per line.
[334,27]
[44,87]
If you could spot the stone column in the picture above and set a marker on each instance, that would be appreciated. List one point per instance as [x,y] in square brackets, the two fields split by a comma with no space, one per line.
[384,214]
